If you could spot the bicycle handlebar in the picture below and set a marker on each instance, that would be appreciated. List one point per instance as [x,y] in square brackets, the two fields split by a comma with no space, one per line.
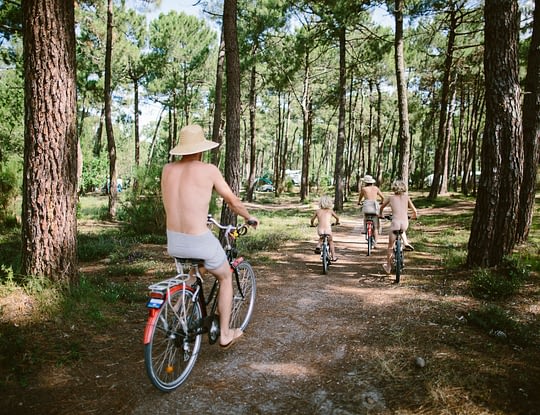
[241,229]
[389,217]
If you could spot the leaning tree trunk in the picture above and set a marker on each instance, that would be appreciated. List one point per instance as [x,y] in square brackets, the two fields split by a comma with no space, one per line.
[232,126]
[531,131]
[493,232]
[49,228]
[403,106]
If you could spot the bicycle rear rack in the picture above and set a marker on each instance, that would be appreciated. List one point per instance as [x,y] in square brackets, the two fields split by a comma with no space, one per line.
[167,284]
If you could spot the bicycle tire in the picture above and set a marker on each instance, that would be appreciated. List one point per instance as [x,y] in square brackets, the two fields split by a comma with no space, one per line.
[325,256]
[369,234]
[174,340]
[244,293]
[399,259]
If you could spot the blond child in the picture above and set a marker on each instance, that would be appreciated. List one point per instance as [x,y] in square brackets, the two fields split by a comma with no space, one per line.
[324,216]
[400,202]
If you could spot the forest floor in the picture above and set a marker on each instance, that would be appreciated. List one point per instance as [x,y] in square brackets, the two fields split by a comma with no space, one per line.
[343,343]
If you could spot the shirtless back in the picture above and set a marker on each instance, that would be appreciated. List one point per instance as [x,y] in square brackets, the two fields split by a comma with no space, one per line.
[186,187]
[371,193]
[324,219]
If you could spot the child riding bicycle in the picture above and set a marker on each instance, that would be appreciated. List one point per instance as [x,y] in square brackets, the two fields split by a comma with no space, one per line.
[400,202]
[324,216]
[370,207]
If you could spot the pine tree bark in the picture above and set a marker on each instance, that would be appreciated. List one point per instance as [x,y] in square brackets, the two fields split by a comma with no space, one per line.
[232,125]
[531,132]
[493,232]
[49,228]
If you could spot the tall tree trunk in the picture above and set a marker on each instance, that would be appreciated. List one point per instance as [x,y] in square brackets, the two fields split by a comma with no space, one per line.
[493,232]
[49,228]
[232,126]
[217,124]
[403,106]
[137,133]
[306,107]
[531,131]
[252,131]
[340,146]
[443,139]
[369,161]
[98,145]
[378,158]
[111,145]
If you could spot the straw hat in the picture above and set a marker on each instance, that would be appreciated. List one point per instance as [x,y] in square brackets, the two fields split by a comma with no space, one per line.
[368,179]
[192,141]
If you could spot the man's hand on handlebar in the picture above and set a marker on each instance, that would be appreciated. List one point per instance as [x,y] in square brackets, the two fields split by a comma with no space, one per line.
[253,222]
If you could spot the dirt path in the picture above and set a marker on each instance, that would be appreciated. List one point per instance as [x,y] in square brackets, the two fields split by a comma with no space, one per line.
[343,343]
[302,352]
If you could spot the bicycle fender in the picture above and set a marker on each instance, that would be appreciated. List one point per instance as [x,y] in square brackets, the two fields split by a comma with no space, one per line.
[152,316]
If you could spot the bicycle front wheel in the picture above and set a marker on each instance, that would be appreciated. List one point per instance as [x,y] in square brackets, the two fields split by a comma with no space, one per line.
[174,340]
[244,292]
[399,259]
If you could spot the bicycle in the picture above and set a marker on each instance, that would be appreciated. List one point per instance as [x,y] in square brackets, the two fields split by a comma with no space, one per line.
[326,257]
[370,210]
[179,313]
[370,232]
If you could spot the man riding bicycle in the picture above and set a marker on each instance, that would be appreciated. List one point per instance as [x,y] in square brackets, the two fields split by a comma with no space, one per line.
[186,187]
[369,193]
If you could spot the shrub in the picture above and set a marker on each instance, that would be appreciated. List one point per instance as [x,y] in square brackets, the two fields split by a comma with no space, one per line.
[144,214]
[143,208]
[499,282]
[9,190]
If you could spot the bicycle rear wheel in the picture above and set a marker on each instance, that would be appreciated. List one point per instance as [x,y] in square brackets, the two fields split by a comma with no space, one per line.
[325,257]
[174,340]
[369,234]
[244,292]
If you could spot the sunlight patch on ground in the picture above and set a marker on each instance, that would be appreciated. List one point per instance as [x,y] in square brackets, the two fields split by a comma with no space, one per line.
[389,297]
[284,369]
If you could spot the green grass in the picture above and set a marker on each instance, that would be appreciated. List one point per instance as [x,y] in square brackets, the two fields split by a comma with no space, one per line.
[499,323]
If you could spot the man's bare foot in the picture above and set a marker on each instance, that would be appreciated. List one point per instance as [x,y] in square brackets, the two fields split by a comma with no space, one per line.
[387,268]
[227,342]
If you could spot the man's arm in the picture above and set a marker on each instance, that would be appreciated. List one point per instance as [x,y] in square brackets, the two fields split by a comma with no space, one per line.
[360,196]
[224,190]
